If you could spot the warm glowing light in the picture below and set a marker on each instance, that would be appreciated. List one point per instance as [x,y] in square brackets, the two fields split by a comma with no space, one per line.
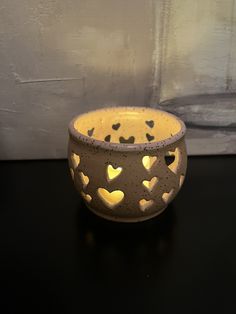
[84,179]
[125,125]
[87,197]
[148,161]
[150,184]
[75,159]
[175,164]
[144,204]
[111,199]
[112,173]
[168,196]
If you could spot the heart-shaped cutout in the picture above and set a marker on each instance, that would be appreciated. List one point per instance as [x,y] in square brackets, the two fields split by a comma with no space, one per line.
[129,140]
[150,123]
[150,184]
[110,199]
[86,197]
[84,179]
[116,126]
[112,172]
[90,132]
[149,137]
[167,197]
[169,159]
[174,165]
[144,204]
[148,161]
[75,159]
[107,138]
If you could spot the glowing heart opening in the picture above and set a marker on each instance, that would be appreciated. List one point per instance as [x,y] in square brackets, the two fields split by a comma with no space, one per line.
[84,179]
[75,160]
[144,204]
[86,197]
[112,172]
[111,199]
[173,166]
[150,184]
[148,162]
[167,197]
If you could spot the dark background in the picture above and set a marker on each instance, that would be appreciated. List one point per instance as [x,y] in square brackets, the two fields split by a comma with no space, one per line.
[56,256]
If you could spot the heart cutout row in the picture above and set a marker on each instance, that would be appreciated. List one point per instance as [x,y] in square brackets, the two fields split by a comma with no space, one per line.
[110,199]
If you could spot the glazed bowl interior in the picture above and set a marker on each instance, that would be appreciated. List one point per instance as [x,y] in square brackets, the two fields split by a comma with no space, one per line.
[128,125]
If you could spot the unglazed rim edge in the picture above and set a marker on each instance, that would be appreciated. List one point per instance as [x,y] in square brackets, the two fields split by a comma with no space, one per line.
[77,136]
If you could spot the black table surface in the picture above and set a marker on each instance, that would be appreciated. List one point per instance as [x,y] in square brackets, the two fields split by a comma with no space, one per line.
[57,257]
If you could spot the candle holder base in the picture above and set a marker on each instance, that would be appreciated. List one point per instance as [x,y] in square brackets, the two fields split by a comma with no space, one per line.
[124,219]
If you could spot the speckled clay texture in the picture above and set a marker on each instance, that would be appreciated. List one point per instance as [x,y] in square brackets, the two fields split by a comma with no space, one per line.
[145,180]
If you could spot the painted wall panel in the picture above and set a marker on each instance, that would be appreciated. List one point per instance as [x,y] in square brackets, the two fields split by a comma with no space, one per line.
[198,73]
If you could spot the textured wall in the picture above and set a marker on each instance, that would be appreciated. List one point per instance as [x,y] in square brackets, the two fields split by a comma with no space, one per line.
[198,59]
[199,50]
[59,58]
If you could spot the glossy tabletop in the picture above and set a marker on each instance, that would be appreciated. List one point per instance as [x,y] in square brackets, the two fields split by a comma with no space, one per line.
[57,257]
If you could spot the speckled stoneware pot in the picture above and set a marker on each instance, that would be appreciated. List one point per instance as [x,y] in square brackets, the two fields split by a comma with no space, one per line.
[128,163]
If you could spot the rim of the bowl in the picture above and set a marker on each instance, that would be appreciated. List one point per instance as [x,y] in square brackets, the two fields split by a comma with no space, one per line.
[77,136]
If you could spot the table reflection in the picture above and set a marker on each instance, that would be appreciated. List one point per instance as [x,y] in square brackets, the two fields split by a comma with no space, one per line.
[107,248]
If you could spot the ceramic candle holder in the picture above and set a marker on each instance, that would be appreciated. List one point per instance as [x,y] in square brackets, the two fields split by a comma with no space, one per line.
[128,163]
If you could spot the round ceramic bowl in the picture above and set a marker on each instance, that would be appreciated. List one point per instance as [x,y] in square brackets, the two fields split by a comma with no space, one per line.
[128,163]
